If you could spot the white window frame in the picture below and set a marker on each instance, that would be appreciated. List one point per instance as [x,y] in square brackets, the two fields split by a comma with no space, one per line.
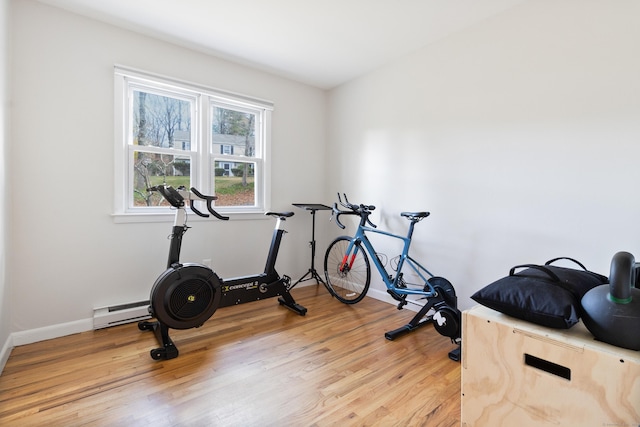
[202,157]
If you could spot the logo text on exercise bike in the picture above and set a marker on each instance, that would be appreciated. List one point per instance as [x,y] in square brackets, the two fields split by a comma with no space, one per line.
[247,286]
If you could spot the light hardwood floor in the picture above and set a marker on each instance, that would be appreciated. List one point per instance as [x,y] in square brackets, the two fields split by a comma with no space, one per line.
[255,364]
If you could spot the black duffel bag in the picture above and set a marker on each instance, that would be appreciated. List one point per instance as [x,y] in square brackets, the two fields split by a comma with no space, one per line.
[544,294]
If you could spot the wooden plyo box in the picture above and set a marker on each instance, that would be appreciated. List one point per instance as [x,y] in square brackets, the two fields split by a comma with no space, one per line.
[516,373]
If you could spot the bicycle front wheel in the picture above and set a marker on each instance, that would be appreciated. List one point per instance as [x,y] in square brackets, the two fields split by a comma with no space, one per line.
[348,274]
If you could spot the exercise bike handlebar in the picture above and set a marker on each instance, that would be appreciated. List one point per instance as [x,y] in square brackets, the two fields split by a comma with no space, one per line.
[363,211]
[176,198]
[208,199]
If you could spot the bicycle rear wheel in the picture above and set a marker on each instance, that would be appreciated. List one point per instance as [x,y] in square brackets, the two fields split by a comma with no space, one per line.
[348,275]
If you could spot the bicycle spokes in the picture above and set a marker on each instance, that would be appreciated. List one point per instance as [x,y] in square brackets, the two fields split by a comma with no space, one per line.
[347,271]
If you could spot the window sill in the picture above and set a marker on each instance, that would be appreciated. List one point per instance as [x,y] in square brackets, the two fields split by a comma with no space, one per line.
[130,218]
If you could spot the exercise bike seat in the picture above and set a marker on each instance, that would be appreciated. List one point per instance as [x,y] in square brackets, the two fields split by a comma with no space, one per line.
[415,216]
[280,215]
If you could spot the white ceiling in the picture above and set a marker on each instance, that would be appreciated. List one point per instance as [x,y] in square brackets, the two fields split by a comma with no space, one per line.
[322,42]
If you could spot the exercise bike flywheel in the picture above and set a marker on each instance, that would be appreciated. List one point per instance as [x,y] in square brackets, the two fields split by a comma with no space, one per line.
[185,296]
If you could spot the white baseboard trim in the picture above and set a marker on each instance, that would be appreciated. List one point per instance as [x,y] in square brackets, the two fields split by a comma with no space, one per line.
[62,329]
[6,352]
[49,332]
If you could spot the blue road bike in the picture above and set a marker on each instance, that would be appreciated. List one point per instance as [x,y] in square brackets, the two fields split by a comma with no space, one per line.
[347,267]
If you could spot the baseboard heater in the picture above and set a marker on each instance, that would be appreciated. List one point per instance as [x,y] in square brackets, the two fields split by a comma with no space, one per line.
[106,317]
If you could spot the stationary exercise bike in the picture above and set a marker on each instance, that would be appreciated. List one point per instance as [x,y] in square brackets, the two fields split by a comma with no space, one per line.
[187,295]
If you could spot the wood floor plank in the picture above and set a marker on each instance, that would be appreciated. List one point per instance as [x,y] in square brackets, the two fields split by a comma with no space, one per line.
[255,364]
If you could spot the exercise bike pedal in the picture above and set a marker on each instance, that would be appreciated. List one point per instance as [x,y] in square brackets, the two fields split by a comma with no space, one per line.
[286,299]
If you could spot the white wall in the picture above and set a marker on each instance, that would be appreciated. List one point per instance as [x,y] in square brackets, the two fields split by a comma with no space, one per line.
[68,255]
[5,306]
[520,135]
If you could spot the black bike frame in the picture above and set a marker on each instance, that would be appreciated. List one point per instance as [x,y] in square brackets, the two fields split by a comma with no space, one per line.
[269,276]
[269,283]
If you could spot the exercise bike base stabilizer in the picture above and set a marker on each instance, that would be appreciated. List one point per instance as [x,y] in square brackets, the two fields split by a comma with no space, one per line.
[186,295]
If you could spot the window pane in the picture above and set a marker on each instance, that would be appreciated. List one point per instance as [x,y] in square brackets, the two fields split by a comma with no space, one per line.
[234,183]
[233,132]
[152,169]
[191,135]
[161,121]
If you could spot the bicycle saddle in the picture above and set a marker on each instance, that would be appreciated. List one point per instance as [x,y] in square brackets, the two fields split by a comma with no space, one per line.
[415,216]
[280,214]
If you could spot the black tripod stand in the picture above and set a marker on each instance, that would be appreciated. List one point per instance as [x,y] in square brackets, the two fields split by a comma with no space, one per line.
[312,273]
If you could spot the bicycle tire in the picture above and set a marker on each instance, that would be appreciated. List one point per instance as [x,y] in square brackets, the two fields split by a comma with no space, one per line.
[351,286]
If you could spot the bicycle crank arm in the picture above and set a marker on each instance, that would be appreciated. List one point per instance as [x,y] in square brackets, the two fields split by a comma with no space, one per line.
[396,296]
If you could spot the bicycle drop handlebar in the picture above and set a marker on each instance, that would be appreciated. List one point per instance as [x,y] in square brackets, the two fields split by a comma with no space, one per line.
[363,211]
[176,198]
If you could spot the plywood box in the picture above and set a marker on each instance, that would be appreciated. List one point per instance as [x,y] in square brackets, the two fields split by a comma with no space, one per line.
[516,373]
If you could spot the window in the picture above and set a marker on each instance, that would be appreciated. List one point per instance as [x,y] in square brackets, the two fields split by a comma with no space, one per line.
[182,134]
